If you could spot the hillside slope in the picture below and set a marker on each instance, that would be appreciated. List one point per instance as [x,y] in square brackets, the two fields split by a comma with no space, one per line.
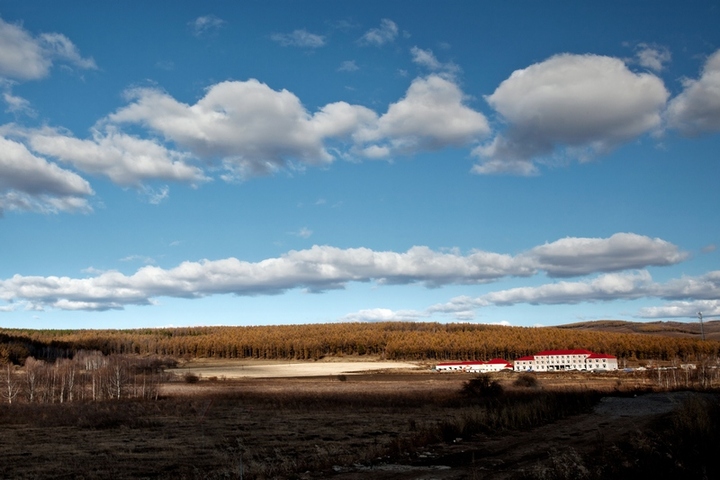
[670,329]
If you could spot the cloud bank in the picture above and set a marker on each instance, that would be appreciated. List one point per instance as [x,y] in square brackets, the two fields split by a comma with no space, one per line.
[323,267]
[687,295]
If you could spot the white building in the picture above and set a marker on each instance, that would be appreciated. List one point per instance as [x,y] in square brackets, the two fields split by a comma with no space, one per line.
[557,360]
[494,365]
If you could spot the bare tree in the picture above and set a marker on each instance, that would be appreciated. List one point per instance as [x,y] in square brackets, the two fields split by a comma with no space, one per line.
[117,376]
[10,385]
[34,370]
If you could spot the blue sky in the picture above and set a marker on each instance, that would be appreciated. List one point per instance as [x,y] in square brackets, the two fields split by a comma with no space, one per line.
[252,163]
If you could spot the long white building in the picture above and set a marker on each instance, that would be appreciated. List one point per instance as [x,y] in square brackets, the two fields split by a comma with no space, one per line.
[494,365]
[558,360]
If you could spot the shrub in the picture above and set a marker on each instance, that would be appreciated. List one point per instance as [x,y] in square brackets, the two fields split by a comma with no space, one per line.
[191,378]
[526,380]
[482,386]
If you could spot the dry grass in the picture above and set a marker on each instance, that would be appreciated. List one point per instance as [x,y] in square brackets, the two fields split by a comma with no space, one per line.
[294,428]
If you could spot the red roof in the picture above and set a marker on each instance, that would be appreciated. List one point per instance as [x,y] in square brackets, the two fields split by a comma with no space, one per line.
[529,357]
[471,362]
[565,352]
[496,361]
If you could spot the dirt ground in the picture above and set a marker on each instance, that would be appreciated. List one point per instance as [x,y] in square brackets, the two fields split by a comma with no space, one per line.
[505,457]
[231,369]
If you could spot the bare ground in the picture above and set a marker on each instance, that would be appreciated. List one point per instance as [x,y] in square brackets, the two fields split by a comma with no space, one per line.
[317,427]
[230,369]
[526,453]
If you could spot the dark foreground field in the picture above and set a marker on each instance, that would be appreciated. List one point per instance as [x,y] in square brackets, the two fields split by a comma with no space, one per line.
[376,426]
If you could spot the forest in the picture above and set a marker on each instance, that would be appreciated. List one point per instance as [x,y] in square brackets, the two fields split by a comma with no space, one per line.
[386,340]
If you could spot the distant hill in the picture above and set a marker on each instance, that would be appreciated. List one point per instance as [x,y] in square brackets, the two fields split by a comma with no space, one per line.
[668,329]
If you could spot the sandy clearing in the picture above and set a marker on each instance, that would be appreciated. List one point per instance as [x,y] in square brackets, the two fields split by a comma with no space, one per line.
[295,369]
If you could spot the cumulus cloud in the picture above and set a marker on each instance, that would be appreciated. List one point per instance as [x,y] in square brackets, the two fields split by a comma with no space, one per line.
[323,267]
[573,105]
[254,129]
[299,38]
[205,25]
[31,183]
[432,115]
[27,57]
[696,110]
[124,159]
[385,33]
[571,257]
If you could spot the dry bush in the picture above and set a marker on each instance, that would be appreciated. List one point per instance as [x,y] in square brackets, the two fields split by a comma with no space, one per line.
[526,380]
[482,386]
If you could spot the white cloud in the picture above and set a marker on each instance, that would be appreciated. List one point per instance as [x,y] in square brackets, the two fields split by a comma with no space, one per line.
[17,104]
[432,115]
[688,295]
[427,59]
[574,105]
[126,160]
[653,57]
[571,257]
[704,287]
[340,119]
[299,38]
[697,109]
[709,248]
[24,57]
[316,269]
[31,183]
[323,267]
[139,258]
[610,286]
[205,25]
[155,196]
[385,33]
[382,315]
[682,309]
[255,130]
[348,66]
[304,232]
[59,46]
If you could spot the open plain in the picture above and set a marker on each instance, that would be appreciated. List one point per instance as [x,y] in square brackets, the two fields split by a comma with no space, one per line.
[395,423]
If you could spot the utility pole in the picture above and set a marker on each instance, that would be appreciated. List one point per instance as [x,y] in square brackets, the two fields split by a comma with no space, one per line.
[702,329]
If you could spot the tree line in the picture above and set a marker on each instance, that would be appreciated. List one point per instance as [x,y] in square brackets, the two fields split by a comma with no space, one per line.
[87,376]
[388,340]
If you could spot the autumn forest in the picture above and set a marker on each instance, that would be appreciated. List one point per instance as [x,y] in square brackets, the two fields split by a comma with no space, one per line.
[390,341]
